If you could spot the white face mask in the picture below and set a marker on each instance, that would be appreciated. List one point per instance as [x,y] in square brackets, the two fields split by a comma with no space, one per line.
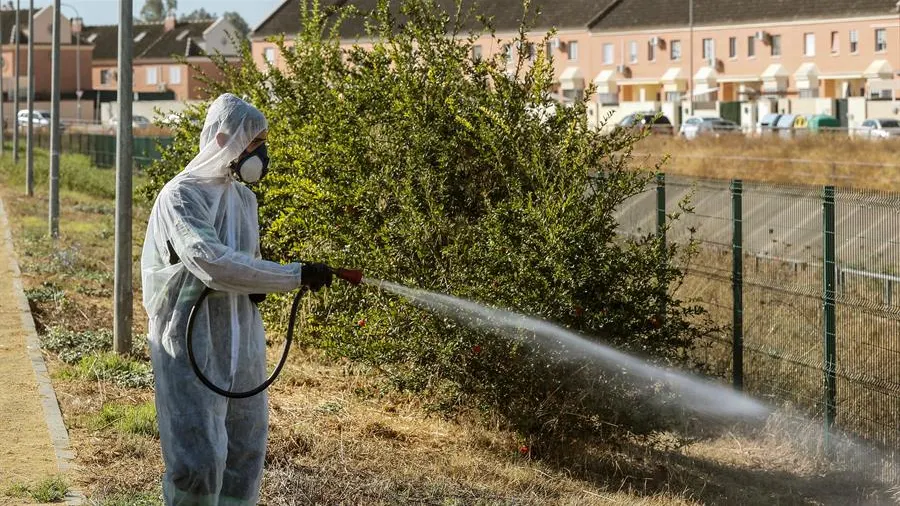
[252,168]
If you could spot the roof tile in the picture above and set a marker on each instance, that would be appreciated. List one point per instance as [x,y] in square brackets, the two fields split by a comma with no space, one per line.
[642,14]
[155,43]
[504,14]
[606,14]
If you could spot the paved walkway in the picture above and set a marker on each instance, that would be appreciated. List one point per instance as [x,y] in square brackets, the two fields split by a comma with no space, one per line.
[34,443]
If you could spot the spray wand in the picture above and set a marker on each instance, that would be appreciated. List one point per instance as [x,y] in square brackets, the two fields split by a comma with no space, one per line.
[352,276]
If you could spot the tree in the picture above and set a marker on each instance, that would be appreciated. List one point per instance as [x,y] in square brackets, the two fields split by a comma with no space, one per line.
[238,22]
[200,14]
[155,11]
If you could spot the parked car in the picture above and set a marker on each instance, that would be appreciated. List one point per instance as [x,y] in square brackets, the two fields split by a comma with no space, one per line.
[880,128]
[696,125]
[137,122]
[170,119]
[40,119]
[767,123]
[658,123]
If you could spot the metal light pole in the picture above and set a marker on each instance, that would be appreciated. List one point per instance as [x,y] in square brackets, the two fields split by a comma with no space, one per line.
[691,59]
[29,149]
[54,126]
[894,77]
[123,310]
[16,90]
[2,98]
[77,26]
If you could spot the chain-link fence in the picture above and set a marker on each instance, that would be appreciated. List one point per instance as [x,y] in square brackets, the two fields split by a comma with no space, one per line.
[806,280]
[101,148]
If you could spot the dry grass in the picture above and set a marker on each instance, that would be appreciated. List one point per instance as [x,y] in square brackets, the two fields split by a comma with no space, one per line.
[783,339]
[340,435]
[821,159]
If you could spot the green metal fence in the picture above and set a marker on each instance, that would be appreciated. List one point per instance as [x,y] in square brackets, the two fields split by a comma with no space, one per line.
[101,148]
[803,278]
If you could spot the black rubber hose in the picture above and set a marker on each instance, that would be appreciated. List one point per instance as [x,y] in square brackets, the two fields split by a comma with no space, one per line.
[264,385]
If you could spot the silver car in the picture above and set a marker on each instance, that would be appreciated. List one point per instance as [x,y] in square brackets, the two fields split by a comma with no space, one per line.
[696,126]
[880,128]
[137,122]
[40,119]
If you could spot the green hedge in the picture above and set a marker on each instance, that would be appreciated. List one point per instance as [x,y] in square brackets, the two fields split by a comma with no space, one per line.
[425,167]
[76,173]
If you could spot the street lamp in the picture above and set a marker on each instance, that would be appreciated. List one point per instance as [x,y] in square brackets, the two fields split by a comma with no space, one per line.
[77,26]
[894,77]
[691,59]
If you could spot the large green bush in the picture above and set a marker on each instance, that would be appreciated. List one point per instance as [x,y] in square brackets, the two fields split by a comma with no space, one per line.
[425,167]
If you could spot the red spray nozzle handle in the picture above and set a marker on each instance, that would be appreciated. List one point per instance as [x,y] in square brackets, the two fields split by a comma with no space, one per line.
[352,276]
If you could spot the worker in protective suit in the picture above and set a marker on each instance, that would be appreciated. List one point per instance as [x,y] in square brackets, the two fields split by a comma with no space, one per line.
[204,232]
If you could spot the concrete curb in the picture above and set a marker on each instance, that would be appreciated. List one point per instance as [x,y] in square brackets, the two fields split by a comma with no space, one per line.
[59,435]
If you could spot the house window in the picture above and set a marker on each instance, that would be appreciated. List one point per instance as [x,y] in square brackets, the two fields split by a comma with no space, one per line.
[269,55]
[673,96]
[709,49]
[526,49]
[572,96]
[675,48]
[174,75]
[776,45]
[476,53]
[105,76]
[880,40]
[152,77]
[835,42]
[651,51]
[854,41]
[751,46]
[608,98]
[609,53]
[508,53]
[809,44]
[732,47]
[632,52]
[573,50]
[809,93]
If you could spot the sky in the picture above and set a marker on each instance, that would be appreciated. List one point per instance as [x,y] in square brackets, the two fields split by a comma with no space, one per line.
[106,12]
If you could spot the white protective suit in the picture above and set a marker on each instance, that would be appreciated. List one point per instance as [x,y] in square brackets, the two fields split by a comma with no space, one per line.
[204,230]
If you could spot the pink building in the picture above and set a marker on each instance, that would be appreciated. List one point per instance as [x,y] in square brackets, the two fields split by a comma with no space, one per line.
[156,71]
[800,55]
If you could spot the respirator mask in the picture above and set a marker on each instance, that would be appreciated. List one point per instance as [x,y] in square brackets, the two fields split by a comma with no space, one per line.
[251,167]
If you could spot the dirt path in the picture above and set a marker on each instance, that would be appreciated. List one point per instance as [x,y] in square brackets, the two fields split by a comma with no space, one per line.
[27,452]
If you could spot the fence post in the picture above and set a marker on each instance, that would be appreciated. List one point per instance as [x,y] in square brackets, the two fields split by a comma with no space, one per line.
[828,297]
[661,208]
[737,284]
[661,230]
